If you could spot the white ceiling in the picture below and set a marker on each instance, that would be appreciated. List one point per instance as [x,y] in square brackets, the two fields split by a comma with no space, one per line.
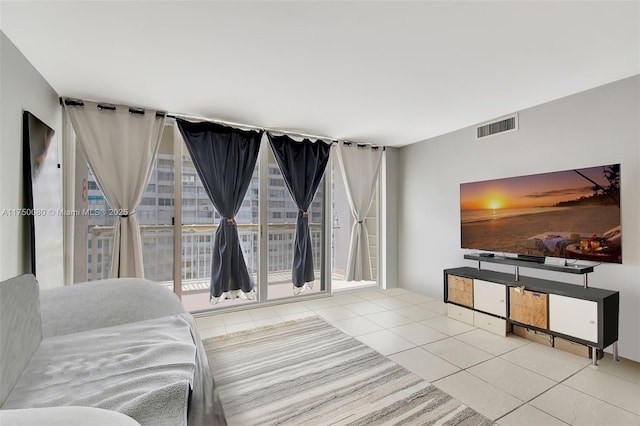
[390,73]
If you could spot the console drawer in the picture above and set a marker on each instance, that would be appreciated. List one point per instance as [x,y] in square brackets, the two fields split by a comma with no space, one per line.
[490,323]
[459,313]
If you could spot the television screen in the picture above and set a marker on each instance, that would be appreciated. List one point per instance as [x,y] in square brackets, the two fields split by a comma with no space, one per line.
[572,214]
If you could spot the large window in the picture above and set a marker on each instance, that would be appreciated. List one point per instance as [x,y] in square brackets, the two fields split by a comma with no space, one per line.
[282,214]
[156,221]
[178,223]
[94,231]
[200,221]
[342,222]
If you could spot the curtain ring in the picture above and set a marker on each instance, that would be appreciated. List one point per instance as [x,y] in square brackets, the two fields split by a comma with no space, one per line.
[305,213]
[230,221]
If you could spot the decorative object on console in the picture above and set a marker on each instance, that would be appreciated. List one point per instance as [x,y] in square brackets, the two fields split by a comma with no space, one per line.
[486,254]
[558,261]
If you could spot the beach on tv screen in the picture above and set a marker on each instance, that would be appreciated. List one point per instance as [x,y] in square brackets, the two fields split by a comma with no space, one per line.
[574,214]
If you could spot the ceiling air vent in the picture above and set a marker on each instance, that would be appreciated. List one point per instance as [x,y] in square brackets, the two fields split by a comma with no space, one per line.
[502,125]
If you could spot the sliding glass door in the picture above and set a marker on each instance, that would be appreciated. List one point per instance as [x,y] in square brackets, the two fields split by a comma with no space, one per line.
[280,225]
[93,225]
[199,222]
[178,223]
[342,222]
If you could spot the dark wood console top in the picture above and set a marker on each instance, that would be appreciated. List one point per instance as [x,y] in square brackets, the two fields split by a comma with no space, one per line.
[534,284]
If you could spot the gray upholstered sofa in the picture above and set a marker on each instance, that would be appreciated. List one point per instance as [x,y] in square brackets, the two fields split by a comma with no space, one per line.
[119,351]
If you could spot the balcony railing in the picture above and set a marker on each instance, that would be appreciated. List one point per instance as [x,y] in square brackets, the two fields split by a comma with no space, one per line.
[197,246]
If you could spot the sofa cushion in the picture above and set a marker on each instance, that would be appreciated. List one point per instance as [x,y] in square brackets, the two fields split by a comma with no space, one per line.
[20,328]
[139,369]
[104,303]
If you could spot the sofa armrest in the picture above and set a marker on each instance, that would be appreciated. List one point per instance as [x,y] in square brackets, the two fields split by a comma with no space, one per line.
[65,416]
[20,328]
[104,303]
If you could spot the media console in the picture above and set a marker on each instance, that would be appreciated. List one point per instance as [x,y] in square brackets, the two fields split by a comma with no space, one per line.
[495,301]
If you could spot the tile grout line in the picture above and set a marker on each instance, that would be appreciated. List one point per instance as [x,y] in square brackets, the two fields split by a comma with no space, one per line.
[593,396]
[454,336]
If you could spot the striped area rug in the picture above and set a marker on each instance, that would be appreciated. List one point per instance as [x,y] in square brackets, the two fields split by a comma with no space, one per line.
[308,372]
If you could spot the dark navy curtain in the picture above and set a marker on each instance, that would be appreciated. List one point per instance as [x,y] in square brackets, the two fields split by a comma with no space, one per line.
[224,158]
[302,165]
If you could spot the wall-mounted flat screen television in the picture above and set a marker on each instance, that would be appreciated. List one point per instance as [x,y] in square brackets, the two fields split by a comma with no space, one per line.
[573,214]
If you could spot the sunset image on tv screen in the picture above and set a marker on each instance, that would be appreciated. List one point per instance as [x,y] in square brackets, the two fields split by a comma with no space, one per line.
[572,213]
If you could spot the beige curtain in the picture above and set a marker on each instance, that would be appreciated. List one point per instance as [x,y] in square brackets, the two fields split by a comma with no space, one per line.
[360,165]
[120,144]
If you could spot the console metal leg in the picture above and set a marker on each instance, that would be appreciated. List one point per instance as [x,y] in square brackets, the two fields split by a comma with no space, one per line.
[594,356]
[615,352]
[585,280]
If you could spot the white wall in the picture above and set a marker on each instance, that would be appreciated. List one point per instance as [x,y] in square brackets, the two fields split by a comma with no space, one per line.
[22,88]
[592,128]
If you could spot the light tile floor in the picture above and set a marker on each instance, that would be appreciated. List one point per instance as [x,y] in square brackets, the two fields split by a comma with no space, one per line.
[511,380]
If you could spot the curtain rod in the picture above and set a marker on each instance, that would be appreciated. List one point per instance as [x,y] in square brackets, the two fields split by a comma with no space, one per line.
[132,110]
[274,130]
[251,127]
[107,106]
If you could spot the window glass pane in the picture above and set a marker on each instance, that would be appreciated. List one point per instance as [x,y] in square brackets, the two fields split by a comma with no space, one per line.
[94,230]
[200,221]
[155,215]
[282,214]
[341,226]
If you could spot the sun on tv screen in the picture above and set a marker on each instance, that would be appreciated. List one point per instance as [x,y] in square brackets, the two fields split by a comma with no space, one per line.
[574,214]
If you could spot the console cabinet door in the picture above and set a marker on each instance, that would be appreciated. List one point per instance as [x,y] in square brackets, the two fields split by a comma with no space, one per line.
[573,317]
[460,290]
[528,307]
[490,297]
